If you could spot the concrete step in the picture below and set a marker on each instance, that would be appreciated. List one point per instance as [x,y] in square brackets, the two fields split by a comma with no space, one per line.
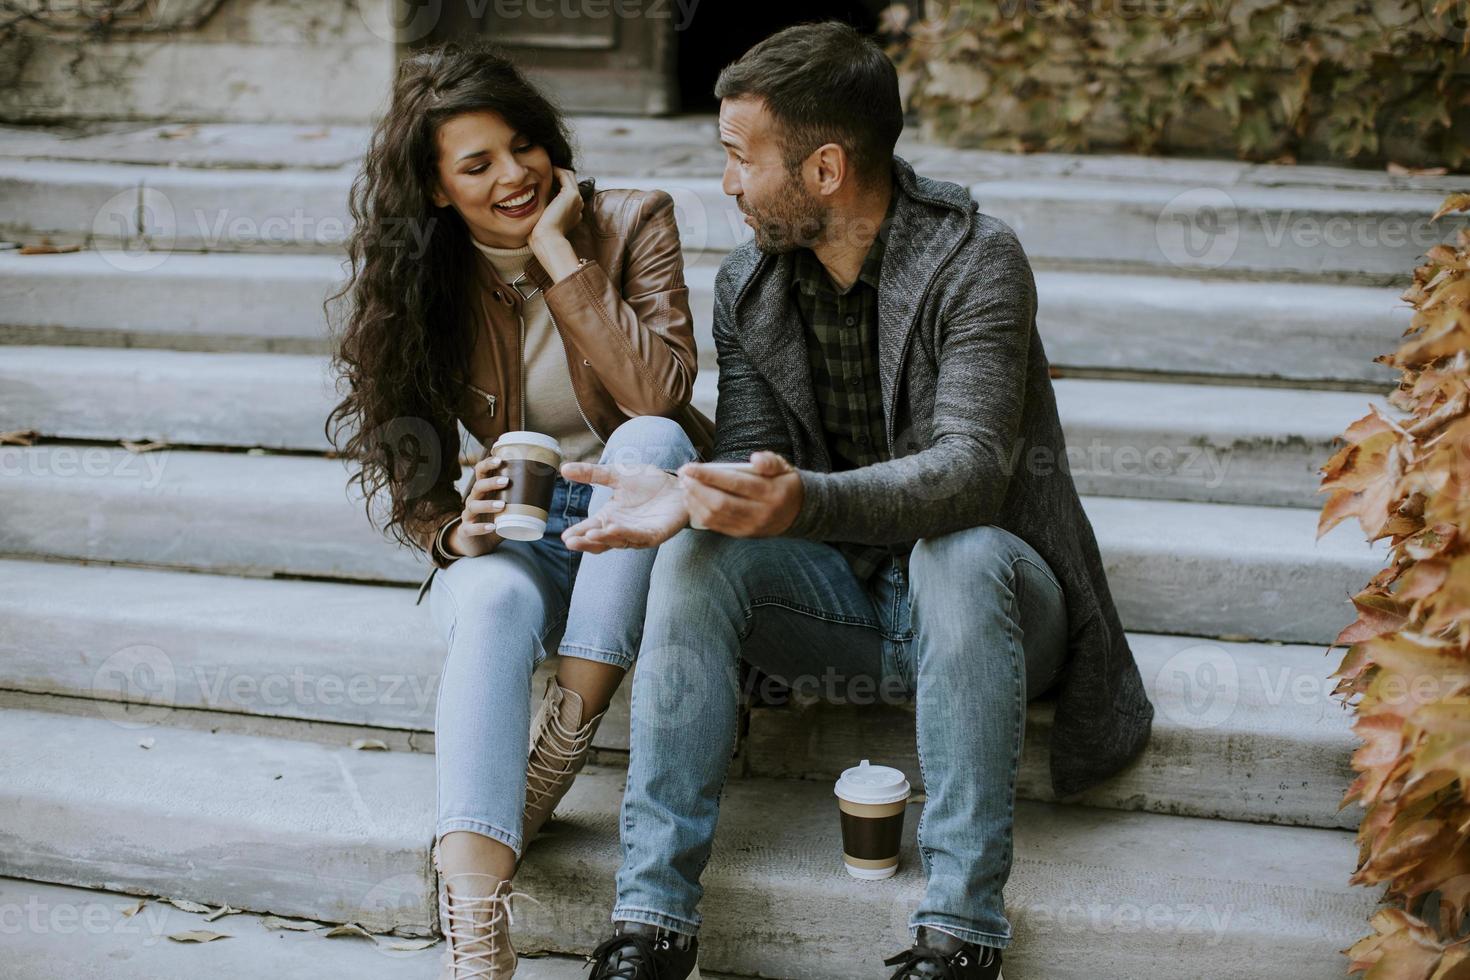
[1243,731]
[332,834]
[1088,320]
[1223,443]
[655,146]
[1236,571]
[87,934]
[1198,218]
[265,824]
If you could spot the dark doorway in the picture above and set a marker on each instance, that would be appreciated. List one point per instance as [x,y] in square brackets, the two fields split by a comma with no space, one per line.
[638,65]
[721,31]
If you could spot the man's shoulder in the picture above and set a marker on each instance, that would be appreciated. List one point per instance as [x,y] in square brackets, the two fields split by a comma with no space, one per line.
[736,269]
[949,208]
[990,236]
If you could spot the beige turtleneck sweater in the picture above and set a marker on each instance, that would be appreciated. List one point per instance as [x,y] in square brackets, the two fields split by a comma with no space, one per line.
[551,407]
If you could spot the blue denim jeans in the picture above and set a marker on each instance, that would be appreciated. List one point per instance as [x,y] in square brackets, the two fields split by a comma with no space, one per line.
[498,613]
[974,629]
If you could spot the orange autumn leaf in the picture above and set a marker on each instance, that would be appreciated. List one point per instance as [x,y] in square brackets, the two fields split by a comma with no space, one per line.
[1406,671]
[1455,202]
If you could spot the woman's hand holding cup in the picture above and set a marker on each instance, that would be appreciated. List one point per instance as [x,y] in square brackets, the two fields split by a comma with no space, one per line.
[479,507]
[475,532]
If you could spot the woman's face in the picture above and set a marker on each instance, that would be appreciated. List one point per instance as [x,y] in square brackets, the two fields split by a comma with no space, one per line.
[484,163]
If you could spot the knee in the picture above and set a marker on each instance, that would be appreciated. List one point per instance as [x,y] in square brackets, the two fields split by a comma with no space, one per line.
[490,598]
[695,576]
[688,567]
[650,439]
[958,559]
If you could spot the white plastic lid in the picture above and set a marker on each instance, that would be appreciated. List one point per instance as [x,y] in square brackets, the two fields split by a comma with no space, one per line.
[520,527]
[529,438]
[865,783]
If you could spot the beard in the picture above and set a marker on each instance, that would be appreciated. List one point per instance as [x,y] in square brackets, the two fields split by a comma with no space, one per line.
[795,219]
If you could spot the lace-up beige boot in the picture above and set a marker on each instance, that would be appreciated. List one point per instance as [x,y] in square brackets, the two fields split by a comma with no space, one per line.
[560,738]
[475,917]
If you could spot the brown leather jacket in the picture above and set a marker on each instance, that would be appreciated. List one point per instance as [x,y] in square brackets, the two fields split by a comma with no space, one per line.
[624,320]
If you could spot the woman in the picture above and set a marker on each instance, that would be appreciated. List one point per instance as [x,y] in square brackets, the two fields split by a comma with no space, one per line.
[490,288]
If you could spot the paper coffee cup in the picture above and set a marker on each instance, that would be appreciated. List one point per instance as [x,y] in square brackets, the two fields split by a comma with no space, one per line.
[532,461]
[871,800]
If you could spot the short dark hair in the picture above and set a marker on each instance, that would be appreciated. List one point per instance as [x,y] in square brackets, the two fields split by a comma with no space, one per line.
[824,82]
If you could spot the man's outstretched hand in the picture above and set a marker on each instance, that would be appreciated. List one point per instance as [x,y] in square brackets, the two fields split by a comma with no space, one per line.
[648,506]
[645,510]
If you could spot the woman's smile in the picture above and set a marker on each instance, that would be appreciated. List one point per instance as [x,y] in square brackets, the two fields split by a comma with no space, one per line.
[527,202]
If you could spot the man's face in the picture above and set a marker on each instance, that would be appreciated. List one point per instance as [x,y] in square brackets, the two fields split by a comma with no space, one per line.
[776,203]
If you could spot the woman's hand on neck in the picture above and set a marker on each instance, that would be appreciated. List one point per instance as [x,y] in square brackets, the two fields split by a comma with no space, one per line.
[549,238]
[555,255]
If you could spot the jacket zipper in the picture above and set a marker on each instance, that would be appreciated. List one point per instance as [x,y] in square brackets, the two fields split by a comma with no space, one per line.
[489,396]
[521,354]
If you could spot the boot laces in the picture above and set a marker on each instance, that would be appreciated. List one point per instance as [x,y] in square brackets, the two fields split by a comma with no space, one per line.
[925,962]
[470,919]
[628,957]
[549,761]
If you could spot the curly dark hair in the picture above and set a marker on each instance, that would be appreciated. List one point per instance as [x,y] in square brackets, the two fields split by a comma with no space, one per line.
[403,343]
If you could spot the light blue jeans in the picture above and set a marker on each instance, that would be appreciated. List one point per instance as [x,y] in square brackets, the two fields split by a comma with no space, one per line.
[499,611]
[973,630]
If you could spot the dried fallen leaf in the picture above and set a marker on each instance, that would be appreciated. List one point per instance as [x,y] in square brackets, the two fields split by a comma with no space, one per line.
[1399,170]
[1455,202]
[132,910]
[179,132]
[19,437]
[198,936]
[46,248]
[370,743]
[294,925]
[221,912]
[186,905]
[410,944]
[348,929]
[142,447]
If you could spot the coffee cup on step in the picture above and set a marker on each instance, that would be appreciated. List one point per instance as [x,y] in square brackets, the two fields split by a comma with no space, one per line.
[531,461]
[871,800]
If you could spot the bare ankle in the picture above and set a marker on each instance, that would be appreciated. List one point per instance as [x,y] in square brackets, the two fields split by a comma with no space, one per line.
[464,851]
[592,681]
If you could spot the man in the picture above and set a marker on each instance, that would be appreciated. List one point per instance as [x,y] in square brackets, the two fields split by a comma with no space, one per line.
[908,514]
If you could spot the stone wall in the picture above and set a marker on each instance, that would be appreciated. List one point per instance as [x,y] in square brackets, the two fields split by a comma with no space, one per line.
[296,61]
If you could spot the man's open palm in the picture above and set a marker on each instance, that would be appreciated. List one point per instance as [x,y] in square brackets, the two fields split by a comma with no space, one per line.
[645,510]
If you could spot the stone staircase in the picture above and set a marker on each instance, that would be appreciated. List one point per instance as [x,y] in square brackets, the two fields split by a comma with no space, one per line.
[193,638]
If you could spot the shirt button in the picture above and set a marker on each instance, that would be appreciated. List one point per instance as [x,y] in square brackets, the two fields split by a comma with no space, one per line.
[851,320]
